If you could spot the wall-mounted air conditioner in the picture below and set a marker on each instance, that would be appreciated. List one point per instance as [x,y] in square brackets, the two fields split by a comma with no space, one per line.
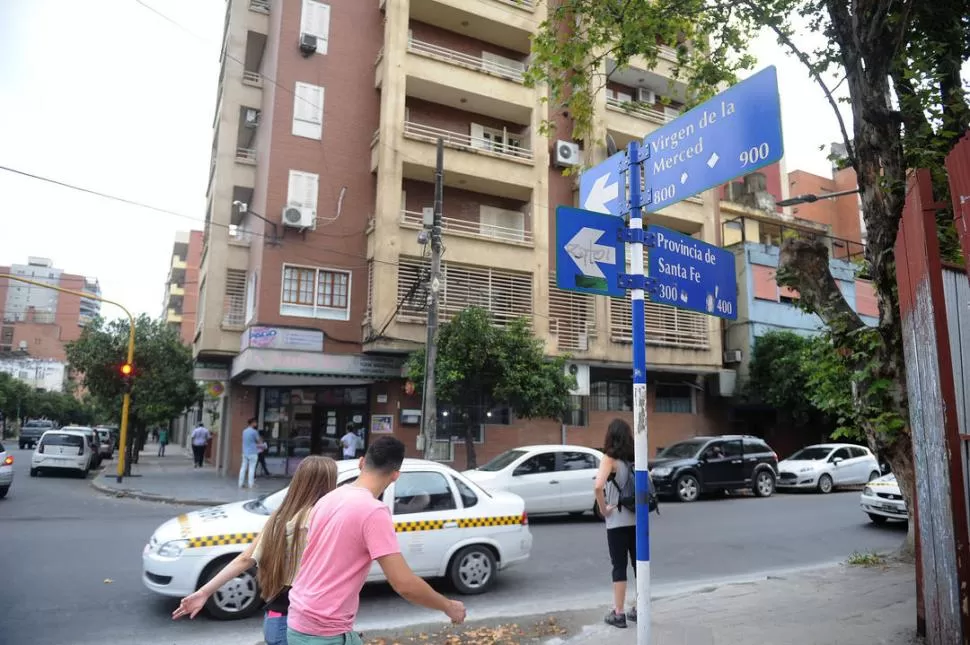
[732,356]
[299,217]
[567,154]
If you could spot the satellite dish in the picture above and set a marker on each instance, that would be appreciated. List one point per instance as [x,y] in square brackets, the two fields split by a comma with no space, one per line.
[610,146]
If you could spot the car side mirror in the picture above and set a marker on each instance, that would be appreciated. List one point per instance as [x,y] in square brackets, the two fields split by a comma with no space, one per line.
[837,460]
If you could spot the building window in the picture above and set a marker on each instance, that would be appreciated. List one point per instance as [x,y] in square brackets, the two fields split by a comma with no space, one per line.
[316,22]
[234,303]
[308,111]
[611,396]
[315,293]
[578,412]
[453,426]
[674,398]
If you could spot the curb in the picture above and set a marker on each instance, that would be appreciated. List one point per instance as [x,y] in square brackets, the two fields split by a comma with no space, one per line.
[150,497]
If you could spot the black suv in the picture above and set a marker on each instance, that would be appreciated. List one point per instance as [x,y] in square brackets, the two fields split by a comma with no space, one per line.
[710,464]
[31,432]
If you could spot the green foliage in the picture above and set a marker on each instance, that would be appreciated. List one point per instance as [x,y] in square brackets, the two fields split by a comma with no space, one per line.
[481,366]
[778,374]
[17,398]
[162,386]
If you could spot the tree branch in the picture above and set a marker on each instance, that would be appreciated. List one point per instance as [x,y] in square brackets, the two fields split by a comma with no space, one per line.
[786,40]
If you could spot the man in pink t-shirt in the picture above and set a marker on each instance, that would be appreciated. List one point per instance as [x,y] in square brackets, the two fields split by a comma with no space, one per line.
[351,528]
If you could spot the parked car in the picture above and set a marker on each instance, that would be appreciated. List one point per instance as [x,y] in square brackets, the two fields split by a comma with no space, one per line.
[6,472]
[93,443]
[882,500]
[62,450]
[549,479]
[689,468]
[826,466]
[31,432]
[446,526]
[106,443]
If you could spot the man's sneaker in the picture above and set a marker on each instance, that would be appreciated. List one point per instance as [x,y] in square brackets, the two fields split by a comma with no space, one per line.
[632,615]
[615,619]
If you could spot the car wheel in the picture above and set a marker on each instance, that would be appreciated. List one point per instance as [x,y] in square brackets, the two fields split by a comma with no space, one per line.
[688,488]
[874,475]
[876,519]
[3,491]
[824,484]
[238,598]
[33,472]
[764,483]
[472,570]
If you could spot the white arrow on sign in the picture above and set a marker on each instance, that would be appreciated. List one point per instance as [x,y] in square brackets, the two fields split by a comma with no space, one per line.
[601,193]
[586,253]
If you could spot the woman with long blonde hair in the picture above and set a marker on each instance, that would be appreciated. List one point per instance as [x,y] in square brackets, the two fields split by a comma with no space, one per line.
[277,550]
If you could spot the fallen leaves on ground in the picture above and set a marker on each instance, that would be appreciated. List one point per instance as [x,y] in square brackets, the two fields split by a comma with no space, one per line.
[510,634]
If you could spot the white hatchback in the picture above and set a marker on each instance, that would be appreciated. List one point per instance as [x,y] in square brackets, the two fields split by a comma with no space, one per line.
[882,500]
[550,478]
[64,450]
[827,466]
[447,526]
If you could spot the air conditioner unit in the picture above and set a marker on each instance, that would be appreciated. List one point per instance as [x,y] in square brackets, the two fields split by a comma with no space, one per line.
[299,217]
[252,117]
[567,154]
[646,96]
[308,44]
[732,356]
[581,373]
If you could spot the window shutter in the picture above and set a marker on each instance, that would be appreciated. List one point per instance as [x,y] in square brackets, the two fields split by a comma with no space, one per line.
[308,103]
[478,136]
[316,21]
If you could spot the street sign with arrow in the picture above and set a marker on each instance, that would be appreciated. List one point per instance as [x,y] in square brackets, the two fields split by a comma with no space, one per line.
[600,187]
[589,254]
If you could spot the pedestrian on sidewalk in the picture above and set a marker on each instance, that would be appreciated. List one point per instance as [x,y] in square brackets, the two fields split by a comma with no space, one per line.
[277,550]
[349,529]
[621,522]
[263,447]
[162,441]
[200,439]
[250,454]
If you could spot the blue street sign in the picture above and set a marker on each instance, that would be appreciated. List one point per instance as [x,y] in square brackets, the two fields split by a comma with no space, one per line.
[690,274]
[589,255]
[732,134]
[601,187]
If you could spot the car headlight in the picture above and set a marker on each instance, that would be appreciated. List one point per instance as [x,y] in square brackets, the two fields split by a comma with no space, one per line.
[173,548]
[867,491]
[661,472]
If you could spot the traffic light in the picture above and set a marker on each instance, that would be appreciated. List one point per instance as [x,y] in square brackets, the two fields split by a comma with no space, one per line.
[127,372]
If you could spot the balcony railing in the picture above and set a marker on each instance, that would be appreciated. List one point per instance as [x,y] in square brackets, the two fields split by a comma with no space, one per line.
[239,236]
[246,156]
[259,6]
[464,60]
[254,79]
[472,229]
[521,4]
[638,110]
[465,141]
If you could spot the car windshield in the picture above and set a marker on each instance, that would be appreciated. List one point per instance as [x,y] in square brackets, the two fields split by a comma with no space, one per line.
[682,450]
[503,460]
[812,453]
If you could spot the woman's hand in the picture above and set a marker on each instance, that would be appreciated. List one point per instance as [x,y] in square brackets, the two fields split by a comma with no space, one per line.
[190,605]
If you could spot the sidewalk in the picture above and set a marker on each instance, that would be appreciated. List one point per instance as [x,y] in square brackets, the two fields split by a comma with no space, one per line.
[173,479]
[847,605]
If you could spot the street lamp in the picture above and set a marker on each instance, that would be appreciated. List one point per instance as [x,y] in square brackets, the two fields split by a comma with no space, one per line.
[811,199]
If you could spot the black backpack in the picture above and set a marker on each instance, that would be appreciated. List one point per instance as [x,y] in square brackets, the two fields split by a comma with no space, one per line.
[628,492]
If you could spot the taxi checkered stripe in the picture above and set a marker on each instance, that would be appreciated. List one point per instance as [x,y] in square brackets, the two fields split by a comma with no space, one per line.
[222,540]
[463,523]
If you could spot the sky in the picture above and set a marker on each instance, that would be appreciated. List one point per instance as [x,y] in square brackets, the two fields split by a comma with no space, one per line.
[113,98]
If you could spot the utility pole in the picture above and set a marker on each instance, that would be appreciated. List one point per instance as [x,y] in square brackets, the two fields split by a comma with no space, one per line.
[429,408]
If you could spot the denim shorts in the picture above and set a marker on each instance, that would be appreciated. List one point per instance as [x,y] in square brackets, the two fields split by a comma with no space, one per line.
[294,637]
[274,630]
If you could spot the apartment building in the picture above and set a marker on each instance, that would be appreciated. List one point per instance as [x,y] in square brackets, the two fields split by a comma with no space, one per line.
[40,321]
[313,285]
[180,299]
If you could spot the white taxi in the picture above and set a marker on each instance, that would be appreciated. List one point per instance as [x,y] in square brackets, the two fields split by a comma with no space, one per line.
[447,526]
[882,500]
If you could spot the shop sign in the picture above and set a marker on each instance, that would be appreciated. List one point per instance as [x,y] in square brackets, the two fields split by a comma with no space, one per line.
[300,340]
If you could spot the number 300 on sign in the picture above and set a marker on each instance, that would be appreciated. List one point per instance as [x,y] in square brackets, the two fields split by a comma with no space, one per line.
[754,155]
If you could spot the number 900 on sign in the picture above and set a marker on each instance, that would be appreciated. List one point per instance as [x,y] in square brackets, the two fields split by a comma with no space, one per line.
[754,155]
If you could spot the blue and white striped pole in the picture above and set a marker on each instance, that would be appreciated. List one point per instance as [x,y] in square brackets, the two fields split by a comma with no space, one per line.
[642,478]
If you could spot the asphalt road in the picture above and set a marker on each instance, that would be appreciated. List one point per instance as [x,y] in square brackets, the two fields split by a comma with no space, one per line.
[71,562]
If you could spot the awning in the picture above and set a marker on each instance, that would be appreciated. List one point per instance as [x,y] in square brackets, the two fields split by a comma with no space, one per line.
[270,367]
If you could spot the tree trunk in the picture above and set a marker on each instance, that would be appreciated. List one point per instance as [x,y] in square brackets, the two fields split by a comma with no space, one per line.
[470,459]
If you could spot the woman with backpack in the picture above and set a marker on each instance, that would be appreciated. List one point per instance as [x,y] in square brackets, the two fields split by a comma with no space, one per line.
[614,483]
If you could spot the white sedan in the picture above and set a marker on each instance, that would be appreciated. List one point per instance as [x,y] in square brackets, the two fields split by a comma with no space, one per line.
[550,478]
[882,500]
[446,526]
[827,466]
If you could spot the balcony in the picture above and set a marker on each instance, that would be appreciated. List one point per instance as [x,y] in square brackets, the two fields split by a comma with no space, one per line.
[246,156]
[178,263]
[484,84]
[176,290]
[507,23]
[640,111]
[452,226]
[173,316]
